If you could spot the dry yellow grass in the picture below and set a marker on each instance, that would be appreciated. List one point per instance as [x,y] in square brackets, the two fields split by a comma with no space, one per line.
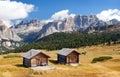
[12,67]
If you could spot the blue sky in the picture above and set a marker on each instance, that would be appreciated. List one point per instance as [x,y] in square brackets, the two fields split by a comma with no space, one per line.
[58,9]
[45,8]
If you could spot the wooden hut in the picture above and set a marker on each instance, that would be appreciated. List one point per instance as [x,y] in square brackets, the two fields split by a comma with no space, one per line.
[35,58]
[67,56]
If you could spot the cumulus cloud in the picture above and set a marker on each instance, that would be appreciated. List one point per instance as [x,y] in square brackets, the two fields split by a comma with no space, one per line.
[12,10]
[60,15]
[109,14]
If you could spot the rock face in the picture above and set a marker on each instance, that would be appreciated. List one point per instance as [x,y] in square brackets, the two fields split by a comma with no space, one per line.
[27,30]
[30,31]
[34,29]
[77,23]
[7,36]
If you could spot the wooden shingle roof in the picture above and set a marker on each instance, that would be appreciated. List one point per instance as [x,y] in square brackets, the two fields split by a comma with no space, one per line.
[31,53]
[65,51]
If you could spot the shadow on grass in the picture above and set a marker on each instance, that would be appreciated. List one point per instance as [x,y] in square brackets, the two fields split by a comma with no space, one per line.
[19,65]
[54,61]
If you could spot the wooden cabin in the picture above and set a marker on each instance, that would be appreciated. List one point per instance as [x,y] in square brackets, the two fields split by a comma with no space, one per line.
[67,56]
[35,58]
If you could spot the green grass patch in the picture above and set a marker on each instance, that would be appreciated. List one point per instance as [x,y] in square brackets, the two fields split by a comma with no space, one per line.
[12,56]
[102,58]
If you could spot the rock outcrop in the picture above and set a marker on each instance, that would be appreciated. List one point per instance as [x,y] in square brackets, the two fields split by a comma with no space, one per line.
[34,29]
[8,38]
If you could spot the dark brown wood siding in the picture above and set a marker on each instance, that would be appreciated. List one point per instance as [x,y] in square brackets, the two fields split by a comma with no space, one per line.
[26,62]
[61,59]
[72,58]
[39,60]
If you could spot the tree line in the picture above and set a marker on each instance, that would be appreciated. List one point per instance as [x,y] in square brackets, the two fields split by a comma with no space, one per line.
[71,40]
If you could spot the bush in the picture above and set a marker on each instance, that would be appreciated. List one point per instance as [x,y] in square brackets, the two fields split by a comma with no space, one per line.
[12,56]
[102,58]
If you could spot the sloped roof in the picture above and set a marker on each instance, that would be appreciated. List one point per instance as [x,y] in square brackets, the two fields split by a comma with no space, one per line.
[31,53]
[65,51]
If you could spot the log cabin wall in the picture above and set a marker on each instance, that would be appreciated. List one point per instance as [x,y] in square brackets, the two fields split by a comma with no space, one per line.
[61,59]
[35,58]
[72,58]
[39,60]
[26,62]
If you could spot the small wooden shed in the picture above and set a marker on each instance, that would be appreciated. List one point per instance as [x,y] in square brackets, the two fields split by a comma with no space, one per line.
[35,58]
[67,56]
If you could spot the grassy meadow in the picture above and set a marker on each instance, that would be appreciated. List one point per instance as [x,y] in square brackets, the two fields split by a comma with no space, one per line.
[11,64]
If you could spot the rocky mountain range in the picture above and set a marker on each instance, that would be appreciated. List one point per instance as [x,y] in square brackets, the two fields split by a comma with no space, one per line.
[8,38]
[36,29]
[29,31]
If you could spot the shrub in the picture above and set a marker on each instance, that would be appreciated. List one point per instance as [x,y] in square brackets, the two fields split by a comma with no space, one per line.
[102,58]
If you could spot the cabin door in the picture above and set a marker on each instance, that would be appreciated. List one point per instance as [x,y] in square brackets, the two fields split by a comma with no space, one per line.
[41,62]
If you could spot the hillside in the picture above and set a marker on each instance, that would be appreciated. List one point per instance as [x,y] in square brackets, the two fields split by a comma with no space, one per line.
[12,67]
[114,28]
[71,40]
[24,30]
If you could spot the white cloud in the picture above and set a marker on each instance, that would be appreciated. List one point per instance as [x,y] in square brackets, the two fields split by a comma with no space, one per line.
[109,14]
[12,10]
[60,15]
[4,0]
